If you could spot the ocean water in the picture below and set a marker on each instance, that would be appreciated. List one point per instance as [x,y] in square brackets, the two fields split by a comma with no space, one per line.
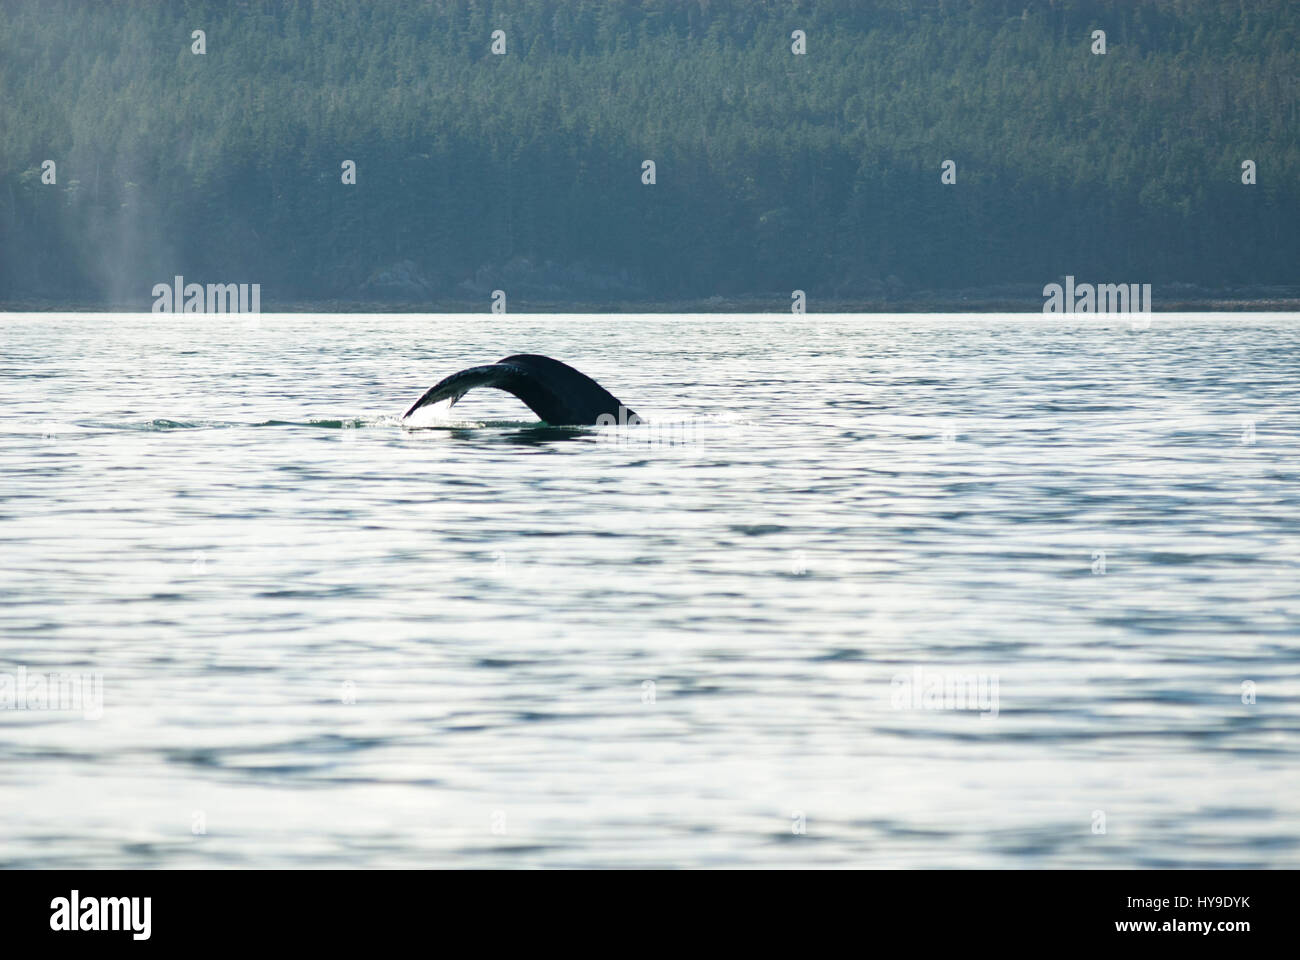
[888,591]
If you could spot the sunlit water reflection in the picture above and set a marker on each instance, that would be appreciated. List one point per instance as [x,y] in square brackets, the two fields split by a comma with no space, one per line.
[327,639]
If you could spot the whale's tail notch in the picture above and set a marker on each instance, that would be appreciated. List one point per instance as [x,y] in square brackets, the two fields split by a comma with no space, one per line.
[556,392]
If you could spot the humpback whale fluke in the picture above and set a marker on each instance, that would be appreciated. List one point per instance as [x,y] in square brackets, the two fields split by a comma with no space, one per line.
[556,392]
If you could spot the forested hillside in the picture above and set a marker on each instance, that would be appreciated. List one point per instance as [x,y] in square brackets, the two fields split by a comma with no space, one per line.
[773,171]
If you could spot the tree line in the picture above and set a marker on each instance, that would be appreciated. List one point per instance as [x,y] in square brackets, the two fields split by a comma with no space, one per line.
[773,170]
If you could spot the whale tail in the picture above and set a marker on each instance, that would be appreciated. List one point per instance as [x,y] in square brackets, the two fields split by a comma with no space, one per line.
[556,392]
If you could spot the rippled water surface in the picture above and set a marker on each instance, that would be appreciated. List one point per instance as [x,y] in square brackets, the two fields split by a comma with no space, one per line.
[327,639]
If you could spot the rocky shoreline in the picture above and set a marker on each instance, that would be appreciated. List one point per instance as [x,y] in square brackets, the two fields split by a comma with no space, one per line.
[533,285]
[1257,302]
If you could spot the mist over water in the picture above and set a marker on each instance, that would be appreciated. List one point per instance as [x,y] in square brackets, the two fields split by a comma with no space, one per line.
[329,639]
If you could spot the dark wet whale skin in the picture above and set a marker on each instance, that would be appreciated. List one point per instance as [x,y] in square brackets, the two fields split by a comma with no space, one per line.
[555,391]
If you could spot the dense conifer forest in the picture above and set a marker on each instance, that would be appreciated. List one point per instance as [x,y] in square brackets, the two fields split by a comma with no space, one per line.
[773,170]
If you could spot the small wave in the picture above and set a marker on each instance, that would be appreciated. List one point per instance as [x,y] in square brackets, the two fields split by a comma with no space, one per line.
[163,423]
[483,425]
[159,423]
[351,423]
